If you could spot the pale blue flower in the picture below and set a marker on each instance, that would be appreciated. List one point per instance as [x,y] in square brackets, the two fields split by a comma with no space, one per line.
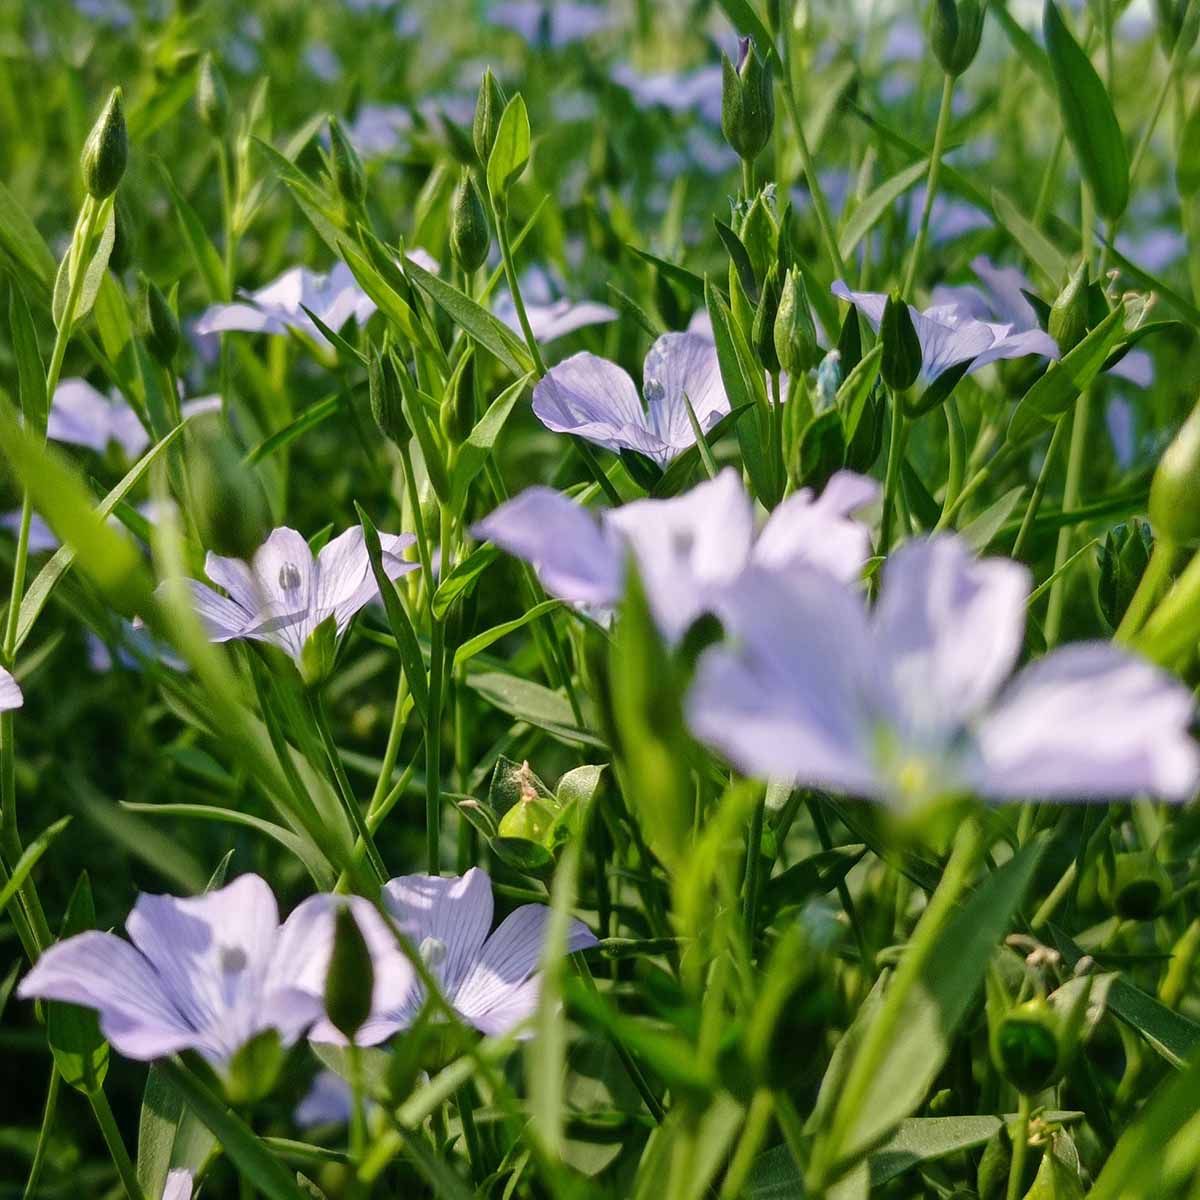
[206,973]
[285,593]
[179,1184]
[551,315]
[328,1102]
[554,25]
[910,702]
[595,399]
[10,692]
[950,336]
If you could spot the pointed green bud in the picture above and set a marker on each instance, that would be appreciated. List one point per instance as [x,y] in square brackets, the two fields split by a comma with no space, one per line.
[955,32]
[228,502]
[350,979]
[212,98]
[106,151]
[1123,561]
[1068,321]
[1134,886]
[763,331]
[458,405]
[795,332]
[387,399]
[319,653]
[747,102]
[469,235]
[123,238]
[1026,1046]
[1175,490]
[901,362]
[349,177]
[160,325]
[489,105]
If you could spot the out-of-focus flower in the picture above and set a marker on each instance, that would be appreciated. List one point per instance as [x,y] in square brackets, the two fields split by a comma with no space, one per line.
[10,693]
[553,25]
[690,550]
[205,973]
[278,307]
[286,593]
[950,336]
[556,318]
[908,703]
[696,91]
[179,1185]
[328,1102]
[595,399]
[492,982]
[41,536]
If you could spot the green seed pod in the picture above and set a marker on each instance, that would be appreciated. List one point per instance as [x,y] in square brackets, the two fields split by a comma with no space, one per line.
[795,332]
[747,102]
[350,979]
[469,234]
[1068,321]
[955,32]
[106,151]
[1134,886]
[489,105]
[901,362]
[763,330]
[1026,1046]
[160,326]
[387,399]
[1123,561]
[349,177]
[529,820]
[1175,490]
[212,98]
[230,507]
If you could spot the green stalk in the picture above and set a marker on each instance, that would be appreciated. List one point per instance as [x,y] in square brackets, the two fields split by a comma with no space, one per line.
[1020,1149]
[931,184]
[968,849]
[1054,609]
[747,180]
[510,272]
[753,875]
[1157,571]
[956,450]
[43,1142]
[466,1114]
[1039,489]
[116,1147]
[891,482]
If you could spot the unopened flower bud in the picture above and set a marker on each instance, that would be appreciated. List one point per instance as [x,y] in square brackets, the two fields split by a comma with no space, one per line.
[349,177]
[489,105]
[955,33]
[123,244]
[106,151]
[350,979]
[763,331]
[469,236]
[1123,560]
[1069,315]
[212,98]
[901,361]
[795,333]
[387,399]
[228,502]
[1026,1046]
[458,406]
[747,102]
[1175,490]
[160,326]
[1134,886]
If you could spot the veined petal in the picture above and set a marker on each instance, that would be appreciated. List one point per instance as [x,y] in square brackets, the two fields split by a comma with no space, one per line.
[285,576]
[222,619]
[680,364]
[948,629]
[238,580]
[447,920]
[345,581]
[563,542]
[870,304]
[104,972]
[10,692]
[1090,722]
[1017,345]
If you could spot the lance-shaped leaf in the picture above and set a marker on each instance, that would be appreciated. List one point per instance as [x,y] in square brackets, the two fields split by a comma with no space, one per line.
[510,151]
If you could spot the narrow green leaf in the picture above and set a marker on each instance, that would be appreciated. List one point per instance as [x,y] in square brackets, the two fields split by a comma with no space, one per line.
[462,578]
[534,704]
[691,282]
[31,373]
[481,441]
[481,641]
[29,858]
[316,413]
[510,151]
[880,201]
[1088,117]
[980,532]
[1037,246]
[204,253]
[169,1135]
[20,238]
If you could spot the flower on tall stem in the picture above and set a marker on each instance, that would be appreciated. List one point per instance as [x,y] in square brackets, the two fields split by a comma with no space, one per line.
[910,702]
[206,973]
[285,594]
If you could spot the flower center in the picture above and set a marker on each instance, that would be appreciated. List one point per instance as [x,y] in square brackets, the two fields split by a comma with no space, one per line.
[289,577]
[432,952]
[233,960]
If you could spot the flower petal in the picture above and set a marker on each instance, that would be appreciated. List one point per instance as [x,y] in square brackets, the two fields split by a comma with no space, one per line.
[948,629]
[787,697]
[563,542]
[1090,722]
[222,619]
[80,416]
[104,972]
[10,692]
[449,917]
[680,364]
[285,577]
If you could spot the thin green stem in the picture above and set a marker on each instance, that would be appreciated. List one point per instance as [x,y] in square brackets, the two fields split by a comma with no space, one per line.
[1075,456]
[747,180]
[843,889]
[43,1142]
[891,481]
[465,1101]
[116,1147]
[510,272]
[1039,489]
[1020,1150]
[931,184]
[1157,571]
[753,874]
[956,451]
